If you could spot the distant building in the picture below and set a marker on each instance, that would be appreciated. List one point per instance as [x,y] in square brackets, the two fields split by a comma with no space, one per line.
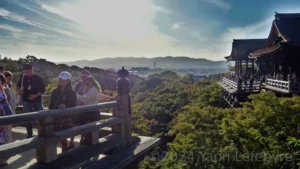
[140,69]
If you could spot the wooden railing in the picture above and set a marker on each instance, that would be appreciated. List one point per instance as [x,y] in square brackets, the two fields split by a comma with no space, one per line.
[282,86]
[229,82]
[46,102]
[241,86]
[278,85]
[46,141]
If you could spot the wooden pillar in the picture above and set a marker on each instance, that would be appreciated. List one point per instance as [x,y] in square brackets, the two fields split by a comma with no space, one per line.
[246,66]
[124,98]
[91,138]
[241,66]
[238,68]
[235,66]
[274,69]
[46,153]
[252,66]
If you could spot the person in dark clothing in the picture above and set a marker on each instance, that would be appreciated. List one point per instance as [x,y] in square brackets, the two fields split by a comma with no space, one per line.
[63,97]
[1,69]
[31,86]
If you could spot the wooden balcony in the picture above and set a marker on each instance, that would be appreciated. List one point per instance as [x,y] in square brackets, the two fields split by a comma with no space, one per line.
[282,86]
[234,87]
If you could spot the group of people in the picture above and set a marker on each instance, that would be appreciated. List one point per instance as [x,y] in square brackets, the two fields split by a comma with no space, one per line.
[31,87]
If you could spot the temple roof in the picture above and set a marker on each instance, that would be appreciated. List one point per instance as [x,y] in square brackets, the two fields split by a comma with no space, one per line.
[242,47]
[285,30]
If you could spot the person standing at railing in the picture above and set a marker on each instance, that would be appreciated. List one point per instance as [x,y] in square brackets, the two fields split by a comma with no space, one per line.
[79,87]
[91,96]
[5,110]
[13,98]
[63,97]
[31,86]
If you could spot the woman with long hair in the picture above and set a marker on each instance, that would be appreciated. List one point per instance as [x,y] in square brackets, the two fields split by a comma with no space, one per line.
[5,110]
[63,97]
[13,98]
[90,96]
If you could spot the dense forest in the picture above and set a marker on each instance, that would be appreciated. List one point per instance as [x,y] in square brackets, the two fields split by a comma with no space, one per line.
[264,134]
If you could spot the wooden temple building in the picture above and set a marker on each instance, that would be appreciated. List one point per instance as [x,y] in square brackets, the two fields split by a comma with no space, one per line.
[279,59]
[242,82]
[274,62]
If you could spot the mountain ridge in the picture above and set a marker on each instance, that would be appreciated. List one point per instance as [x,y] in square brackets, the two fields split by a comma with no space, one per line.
[168,62]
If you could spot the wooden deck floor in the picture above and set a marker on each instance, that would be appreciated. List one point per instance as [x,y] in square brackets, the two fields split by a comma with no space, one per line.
[88,157]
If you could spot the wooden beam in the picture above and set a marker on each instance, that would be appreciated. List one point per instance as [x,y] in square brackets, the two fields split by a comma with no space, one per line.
[87,128]
[19,146]
[19,118]
[106,115]
[47,152]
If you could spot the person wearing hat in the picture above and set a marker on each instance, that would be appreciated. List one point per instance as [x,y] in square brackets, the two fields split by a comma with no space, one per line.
[63,97]
[31,87]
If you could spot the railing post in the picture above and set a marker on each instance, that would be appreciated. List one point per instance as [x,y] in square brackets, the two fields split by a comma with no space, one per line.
[124,111]
[46,153]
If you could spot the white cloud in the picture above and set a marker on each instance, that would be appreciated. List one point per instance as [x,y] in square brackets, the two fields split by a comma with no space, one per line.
[112,19]
[257,30]
[220,3]
[10,28]
[3,12]
[176,25]
[14,17]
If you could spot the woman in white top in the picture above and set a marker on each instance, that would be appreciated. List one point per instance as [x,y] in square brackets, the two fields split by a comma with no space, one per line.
[91,96]
[92,92]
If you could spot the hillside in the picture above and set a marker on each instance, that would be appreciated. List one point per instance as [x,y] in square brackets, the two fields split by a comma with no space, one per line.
[49,70]
[168,62]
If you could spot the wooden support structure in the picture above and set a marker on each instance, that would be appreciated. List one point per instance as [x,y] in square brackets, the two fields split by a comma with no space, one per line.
[124,111]
[46,153]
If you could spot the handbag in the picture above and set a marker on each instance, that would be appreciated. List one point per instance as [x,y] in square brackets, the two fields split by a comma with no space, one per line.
[13,100]
[20,97]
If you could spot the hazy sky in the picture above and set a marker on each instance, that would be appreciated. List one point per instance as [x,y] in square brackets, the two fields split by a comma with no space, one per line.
[63,30]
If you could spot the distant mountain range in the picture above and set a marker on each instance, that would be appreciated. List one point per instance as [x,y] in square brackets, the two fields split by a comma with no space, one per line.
[168,62]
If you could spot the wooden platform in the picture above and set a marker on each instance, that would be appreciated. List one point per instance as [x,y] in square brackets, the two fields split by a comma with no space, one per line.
[233,90]
[89,157]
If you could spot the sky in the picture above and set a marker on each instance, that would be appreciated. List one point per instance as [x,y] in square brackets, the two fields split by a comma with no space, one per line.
[68,30]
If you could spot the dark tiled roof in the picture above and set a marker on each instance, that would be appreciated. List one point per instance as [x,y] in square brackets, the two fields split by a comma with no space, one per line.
[288,25]
[285,26]
[242,47]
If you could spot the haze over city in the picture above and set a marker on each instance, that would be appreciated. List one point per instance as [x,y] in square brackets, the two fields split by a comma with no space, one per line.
[68,30]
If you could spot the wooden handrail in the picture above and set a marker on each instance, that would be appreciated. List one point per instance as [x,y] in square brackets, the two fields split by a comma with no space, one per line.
[14,119]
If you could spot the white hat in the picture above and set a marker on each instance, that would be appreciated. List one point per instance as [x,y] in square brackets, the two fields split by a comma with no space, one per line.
[65,75]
